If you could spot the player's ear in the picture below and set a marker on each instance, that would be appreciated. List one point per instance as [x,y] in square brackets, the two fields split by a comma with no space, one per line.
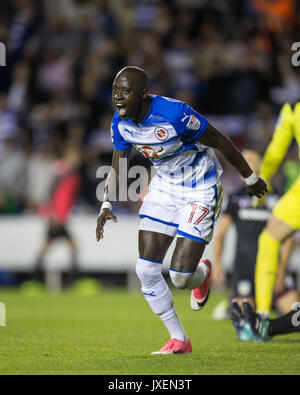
[144,94]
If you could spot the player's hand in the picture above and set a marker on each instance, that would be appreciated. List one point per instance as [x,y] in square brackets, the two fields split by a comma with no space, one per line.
[261,202]
[106,215]
[259,189]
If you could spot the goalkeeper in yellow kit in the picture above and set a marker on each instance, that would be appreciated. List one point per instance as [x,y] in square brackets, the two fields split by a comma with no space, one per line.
[285,219]
[284,222]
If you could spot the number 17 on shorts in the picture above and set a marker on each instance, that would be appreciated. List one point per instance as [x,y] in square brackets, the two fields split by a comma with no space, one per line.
[197,219]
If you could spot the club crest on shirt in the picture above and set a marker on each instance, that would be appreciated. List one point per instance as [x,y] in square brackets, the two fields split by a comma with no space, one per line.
[161,134]
[150,152]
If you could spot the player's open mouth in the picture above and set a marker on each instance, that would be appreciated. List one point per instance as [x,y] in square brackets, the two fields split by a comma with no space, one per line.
[121,109]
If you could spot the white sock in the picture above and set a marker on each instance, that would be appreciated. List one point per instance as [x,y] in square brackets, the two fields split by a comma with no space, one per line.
[158,296]
[200,275]
[190,280]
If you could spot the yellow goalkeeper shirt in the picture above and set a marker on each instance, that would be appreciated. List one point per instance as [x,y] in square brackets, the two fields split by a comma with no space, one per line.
[287,128]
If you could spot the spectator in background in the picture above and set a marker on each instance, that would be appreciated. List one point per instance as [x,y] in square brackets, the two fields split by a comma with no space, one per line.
[277,15]
[12,178]
[8,121]
[18,91]
[40,177]
[62,198]
[225,57]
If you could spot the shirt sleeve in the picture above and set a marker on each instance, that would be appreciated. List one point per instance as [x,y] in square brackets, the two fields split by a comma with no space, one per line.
[191,124]
[118,141]
[280,143]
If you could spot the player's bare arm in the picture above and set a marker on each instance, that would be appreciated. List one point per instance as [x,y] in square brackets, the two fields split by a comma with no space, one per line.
[215,139]
[106,211]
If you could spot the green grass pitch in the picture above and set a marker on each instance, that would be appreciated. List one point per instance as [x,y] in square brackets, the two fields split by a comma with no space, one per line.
[114,333]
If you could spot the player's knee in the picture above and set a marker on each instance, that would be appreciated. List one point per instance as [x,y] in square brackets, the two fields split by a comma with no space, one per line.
[148,273]
[181,280]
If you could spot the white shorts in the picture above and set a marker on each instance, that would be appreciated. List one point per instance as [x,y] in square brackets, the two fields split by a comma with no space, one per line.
[193,218]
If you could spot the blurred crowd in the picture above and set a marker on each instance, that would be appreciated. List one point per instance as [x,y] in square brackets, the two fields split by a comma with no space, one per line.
[229,59]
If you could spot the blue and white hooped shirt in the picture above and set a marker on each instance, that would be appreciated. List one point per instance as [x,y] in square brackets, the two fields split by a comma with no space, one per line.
[168,136]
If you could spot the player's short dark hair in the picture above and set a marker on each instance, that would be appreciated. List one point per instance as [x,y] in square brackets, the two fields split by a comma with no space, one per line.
[141,73]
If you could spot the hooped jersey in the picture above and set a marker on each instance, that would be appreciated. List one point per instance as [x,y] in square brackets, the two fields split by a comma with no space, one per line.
[168,136]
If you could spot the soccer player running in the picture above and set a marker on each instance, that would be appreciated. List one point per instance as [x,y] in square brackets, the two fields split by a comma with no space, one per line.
[184,196]
[284,222]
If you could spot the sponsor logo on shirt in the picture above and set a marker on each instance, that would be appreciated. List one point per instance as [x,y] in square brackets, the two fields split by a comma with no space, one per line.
[161,134]
[150,152]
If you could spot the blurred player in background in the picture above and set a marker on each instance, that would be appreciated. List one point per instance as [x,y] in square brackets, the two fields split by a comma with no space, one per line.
[180,203]
[250,222]
[285,219]
[62,198]
[252,326]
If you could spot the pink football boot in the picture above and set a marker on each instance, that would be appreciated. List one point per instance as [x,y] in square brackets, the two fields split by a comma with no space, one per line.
[199,296]
[174,346]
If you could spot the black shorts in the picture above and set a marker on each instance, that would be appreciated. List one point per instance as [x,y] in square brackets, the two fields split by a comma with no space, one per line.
[243,278]
[57,231]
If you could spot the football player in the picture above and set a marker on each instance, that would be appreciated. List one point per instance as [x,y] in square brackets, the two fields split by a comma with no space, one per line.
[62,198]
[184,197]
[249,222]
[285,219]
[252,326]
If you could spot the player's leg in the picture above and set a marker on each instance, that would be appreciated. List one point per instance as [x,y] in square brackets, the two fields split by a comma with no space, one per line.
[267,262]
[289,323]
[284,302]
[188,271]
[50,237]
[286,295]
[195,231]
[243,280]
[243,291]
[43,252]
[153,247]
[74,269]
[185,271]
[158,227]
[262,328]
[282,225]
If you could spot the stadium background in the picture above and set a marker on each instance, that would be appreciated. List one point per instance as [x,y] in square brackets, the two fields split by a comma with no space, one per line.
[231,60]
